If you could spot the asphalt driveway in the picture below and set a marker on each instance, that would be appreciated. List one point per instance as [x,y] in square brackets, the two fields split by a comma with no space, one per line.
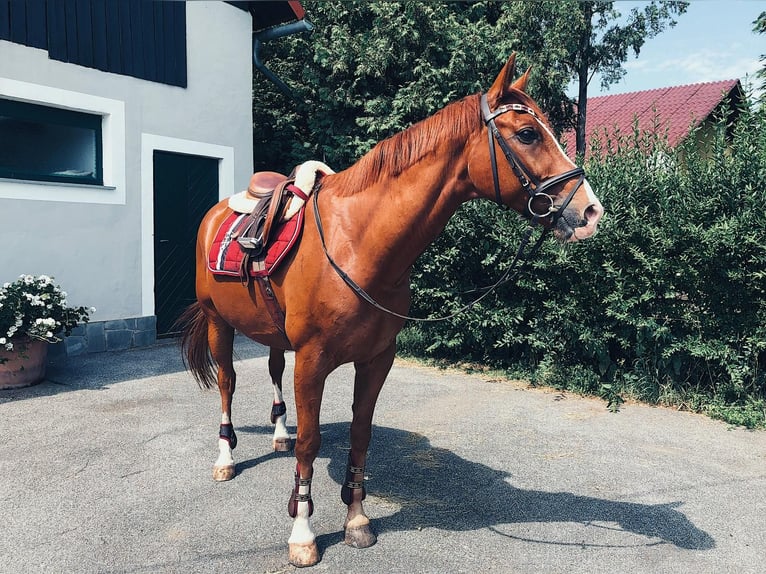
[106,467]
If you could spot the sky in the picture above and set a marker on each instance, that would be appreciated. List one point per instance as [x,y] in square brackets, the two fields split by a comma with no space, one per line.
[713,40]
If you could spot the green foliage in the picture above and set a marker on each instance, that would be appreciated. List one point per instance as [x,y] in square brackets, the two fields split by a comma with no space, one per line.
[666,304]
[369,70]
[36,308]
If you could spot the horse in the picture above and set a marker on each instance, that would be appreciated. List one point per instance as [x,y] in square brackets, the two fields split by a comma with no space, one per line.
[372,220]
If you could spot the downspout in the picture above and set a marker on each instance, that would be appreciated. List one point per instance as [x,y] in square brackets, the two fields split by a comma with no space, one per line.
[272,34]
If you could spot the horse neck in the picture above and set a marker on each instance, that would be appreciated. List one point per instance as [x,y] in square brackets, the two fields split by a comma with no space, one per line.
[395,216]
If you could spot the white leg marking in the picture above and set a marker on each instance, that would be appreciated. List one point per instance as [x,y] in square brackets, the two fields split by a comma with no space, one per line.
[280,427]
[225,457]
[303,531]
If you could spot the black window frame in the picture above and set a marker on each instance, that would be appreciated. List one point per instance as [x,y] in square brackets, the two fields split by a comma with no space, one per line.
[46,114]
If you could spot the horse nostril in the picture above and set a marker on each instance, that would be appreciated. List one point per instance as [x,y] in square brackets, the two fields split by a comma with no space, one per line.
[593,213]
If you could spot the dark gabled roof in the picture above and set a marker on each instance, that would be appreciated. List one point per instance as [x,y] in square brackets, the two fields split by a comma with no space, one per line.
[676,109]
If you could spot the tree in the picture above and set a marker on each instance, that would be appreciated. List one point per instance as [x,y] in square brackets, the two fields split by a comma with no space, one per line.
[371,69]
[577,39]
[368,70]
[759,26]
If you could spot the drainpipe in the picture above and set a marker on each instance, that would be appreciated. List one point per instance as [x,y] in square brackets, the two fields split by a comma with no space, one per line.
[272,34]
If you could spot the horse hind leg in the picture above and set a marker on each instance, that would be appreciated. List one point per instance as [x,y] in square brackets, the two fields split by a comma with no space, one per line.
[281,440]
[221,343]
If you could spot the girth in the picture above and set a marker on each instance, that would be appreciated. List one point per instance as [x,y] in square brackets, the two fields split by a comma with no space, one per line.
[254,234]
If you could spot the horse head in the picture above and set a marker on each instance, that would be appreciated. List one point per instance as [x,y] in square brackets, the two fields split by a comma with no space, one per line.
[517,161]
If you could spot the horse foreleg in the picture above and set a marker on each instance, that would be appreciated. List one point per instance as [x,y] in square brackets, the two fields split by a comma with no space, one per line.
[281,441]
[368,382]
[221,342]
[309,385]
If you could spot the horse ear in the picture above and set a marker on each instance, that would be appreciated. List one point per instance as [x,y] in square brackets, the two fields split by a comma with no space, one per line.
[521,83]
[503,81]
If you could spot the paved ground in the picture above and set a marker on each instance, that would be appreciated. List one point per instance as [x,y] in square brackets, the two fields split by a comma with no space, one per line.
[106,466]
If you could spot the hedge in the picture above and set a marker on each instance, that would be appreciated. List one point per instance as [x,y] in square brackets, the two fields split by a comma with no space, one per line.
[666,304]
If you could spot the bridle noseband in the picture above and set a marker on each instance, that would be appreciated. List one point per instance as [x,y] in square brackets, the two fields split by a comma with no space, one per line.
[534,188]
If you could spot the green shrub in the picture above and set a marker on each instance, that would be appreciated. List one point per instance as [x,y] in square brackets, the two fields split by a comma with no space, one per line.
[667,303]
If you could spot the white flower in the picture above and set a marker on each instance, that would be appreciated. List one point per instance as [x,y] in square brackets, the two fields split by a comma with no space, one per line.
[9,346]
[2,340]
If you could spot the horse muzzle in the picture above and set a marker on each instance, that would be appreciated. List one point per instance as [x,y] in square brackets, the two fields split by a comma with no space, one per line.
[575,226]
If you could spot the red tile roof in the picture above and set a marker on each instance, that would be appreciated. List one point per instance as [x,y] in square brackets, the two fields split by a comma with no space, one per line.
[268,13]
[676,109]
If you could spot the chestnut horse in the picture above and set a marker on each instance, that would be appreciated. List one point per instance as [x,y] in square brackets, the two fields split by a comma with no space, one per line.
[377,217]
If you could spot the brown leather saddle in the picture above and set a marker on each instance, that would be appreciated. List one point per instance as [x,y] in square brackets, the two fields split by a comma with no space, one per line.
[271,190]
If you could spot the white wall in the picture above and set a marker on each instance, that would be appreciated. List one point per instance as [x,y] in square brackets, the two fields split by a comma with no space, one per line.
[96,242]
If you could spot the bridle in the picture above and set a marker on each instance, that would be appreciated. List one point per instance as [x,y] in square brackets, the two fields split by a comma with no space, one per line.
[532,186]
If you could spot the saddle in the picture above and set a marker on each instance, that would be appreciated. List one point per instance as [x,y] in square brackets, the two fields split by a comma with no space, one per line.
[265,222]
[272,192]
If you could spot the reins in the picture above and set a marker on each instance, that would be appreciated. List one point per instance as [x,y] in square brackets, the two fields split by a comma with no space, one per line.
[519,257]
[532,186]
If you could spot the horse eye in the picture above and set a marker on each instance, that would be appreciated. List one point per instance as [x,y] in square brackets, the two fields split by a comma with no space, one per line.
[527,136]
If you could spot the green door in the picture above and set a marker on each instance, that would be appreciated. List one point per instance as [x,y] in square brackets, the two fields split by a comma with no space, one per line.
[185,188]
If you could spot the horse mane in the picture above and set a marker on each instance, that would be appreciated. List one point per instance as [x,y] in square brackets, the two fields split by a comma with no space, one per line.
[402,150]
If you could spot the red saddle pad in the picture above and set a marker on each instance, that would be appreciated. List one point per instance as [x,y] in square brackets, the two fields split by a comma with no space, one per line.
[226,255]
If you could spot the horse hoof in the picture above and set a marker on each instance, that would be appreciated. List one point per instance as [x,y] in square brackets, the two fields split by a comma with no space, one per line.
[282,444]
[360,537]
[302,555]
[223,473]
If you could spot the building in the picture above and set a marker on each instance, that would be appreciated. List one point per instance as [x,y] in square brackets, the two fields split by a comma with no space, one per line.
[673,111]
[121,123]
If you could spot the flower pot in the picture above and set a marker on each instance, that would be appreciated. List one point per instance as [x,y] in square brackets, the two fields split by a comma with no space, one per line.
[25,364]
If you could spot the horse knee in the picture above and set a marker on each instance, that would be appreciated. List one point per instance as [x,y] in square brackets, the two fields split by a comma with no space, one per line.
[307,448]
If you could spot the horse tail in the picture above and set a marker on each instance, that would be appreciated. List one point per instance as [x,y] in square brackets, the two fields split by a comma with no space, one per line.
[195,348]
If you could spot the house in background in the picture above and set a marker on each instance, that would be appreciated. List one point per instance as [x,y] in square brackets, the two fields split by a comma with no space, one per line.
[121,123]
[674,111]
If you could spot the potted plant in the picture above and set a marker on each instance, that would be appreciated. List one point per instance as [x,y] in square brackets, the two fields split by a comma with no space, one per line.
[33,313]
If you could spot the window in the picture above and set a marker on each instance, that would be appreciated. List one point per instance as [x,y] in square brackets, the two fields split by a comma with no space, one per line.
[43,143]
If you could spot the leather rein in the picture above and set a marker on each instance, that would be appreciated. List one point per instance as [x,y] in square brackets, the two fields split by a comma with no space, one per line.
[534,188]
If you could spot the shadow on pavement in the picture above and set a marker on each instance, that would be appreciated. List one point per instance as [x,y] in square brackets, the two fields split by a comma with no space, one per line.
[435,488]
